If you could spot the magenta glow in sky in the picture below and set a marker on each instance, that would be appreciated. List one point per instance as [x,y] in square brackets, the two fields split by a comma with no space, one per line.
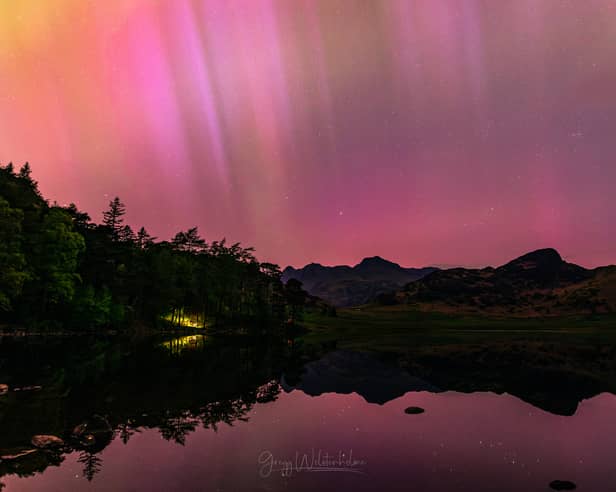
[428,132]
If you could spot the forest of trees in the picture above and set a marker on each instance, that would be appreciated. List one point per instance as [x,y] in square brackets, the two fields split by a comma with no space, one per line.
[60,269]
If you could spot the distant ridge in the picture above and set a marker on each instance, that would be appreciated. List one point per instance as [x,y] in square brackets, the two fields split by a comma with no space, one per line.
[536,284]
[350,286]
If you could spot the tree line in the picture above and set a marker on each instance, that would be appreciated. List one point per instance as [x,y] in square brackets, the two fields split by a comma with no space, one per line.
[58,268]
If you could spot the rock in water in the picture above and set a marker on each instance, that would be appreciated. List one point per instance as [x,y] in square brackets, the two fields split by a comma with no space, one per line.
[17,454]
[44,442]
[414,410]
[93,431]
[562,485]
[80,430]
[4,389]
[32,388]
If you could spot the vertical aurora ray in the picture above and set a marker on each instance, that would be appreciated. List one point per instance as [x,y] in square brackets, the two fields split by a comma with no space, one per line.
[195,66]
[325,130]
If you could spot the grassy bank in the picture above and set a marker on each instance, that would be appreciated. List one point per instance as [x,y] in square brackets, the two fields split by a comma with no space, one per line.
[398,328]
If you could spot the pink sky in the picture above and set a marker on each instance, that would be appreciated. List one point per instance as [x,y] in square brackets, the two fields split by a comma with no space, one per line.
[428,132]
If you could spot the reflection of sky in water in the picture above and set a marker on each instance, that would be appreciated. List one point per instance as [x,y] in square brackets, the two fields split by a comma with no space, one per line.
[463,442]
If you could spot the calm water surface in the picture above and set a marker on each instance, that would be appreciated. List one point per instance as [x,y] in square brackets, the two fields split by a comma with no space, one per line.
[188,416]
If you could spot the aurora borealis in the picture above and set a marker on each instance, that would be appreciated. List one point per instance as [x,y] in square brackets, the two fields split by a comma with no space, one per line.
[428,132]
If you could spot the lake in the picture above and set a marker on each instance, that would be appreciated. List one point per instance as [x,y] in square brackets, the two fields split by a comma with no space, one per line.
[191,413]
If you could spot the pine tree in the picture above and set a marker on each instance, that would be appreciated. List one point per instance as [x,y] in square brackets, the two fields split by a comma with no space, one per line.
[113,218]
[189,241]
[80,219]
[26,172]
[144,239]
[126,234]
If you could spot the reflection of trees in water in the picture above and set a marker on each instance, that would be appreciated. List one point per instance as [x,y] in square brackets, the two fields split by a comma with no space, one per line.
[202,388]
[127,430]
[225,412]
[173,425]
[268,392]
[92,464]
[177,427]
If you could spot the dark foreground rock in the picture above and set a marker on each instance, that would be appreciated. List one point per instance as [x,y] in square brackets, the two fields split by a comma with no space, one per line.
[414,410]
[47,441]
[96,431]
[27,388]
[17,454]
[562,485]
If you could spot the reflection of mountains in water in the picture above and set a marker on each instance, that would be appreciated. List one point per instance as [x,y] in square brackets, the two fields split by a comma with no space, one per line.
[180,387]
[346,372]
[545,384]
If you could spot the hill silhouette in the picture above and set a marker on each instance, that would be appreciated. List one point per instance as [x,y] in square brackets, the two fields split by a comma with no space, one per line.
[349,286]
[537,283]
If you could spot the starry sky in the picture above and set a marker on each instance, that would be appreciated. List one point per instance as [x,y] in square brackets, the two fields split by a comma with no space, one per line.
[458,132]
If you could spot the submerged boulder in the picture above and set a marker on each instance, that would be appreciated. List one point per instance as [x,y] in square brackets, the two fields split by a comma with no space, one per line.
[47,441]
[562,485]
[414,410]
[80,430]
[94,431]
[35,387]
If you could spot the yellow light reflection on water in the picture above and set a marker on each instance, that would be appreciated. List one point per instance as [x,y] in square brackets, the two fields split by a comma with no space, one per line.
[179,344]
